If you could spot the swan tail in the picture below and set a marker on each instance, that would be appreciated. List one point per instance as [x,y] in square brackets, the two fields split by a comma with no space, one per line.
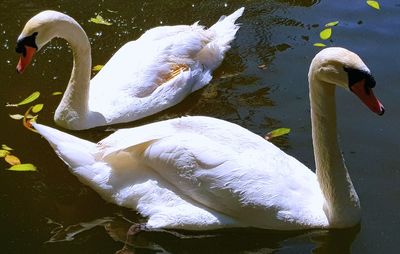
[223,32]
[72,150]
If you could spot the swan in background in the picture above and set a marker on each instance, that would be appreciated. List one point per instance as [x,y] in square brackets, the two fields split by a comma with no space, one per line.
[201,173]
[144,77]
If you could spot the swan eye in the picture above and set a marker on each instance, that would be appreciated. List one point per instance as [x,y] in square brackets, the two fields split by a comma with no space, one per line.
[26,41]
[356,75]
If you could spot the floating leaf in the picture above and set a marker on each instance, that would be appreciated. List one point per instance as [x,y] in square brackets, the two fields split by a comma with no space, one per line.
[97,67]
[56,93]
[333,23]
[16,116]
[318,44]
[326,33]
[374,4]
[27,122]
[112,11]
[99,20]
[27,100]
[23,167]
[4,153]
[277,133]
[12,160]
[6,147]
[37,108]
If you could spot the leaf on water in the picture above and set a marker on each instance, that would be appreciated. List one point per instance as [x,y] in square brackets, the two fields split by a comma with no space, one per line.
[97,67]
[12,160]
[27,100]
[56,93]
[318,44]
[333,23]
[112,11]
[277,133]
[99,20]
[6,147]
[374,4]
[37,108]
[16,116]
[4,153]
[23,167]
[326,33]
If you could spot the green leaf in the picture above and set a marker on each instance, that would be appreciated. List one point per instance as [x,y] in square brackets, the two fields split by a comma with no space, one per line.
[23,167]
[277,133]
[374,4]
[17,116]
[4,153]
[37,108]
[56,93]
[326,33]
[99,20]
[6,147]
[319,44]
[333,23]
[27,100]
[97,67]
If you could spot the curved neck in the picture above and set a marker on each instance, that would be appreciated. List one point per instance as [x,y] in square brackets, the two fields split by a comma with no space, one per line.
[72,112]
[342,206]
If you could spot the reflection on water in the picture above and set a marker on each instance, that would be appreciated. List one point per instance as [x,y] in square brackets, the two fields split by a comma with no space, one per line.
[275,34]
[222,241]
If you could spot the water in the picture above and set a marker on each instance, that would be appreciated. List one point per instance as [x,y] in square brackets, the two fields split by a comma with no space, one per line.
[277,34]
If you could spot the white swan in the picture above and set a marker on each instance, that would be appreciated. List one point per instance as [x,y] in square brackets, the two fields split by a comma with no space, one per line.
[201,173]
[144,77]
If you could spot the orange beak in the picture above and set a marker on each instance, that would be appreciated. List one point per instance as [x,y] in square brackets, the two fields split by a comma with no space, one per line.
[367,96]
[25,60]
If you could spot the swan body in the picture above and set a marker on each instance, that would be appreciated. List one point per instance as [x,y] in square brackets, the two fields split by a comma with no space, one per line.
[201,173]
[144,77]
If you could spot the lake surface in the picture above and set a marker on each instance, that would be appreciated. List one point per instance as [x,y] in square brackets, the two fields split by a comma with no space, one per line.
[261,85]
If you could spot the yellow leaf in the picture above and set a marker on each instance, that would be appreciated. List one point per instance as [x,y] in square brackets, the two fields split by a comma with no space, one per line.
[23,167]
[12,160]
[37,108]
[97,67]
[277,133]
[17,116]
[56,93]
[326,33]
[4,153]
[318,44]
[27,100]
[333,23]
[99,20]
[6,147]
[374,4]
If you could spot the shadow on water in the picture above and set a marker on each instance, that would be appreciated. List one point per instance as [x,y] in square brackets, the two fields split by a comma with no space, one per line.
[218,241]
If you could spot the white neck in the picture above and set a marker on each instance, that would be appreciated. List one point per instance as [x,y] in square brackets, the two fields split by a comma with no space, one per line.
[73,110]
[342,206]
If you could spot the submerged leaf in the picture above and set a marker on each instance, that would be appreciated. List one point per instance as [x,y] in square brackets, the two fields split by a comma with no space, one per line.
[16,116]
[333,23]
[37,108]
[27,100]
[23,167]
[319,44]
[277,133]
[326,33]
[97,67]
[374,4]
[12,160]
[6,147]
[56,93]
[99,20]
[4,153]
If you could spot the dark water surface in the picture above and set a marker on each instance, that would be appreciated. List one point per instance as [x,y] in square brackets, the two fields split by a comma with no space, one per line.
[44,211]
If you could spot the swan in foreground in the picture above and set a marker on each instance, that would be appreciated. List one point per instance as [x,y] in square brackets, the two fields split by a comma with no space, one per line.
[144,77]
[201,173]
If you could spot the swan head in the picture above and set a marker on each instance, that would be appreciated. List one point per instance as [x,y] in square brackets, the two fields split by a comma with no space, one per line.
[38,31]
[343,68]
